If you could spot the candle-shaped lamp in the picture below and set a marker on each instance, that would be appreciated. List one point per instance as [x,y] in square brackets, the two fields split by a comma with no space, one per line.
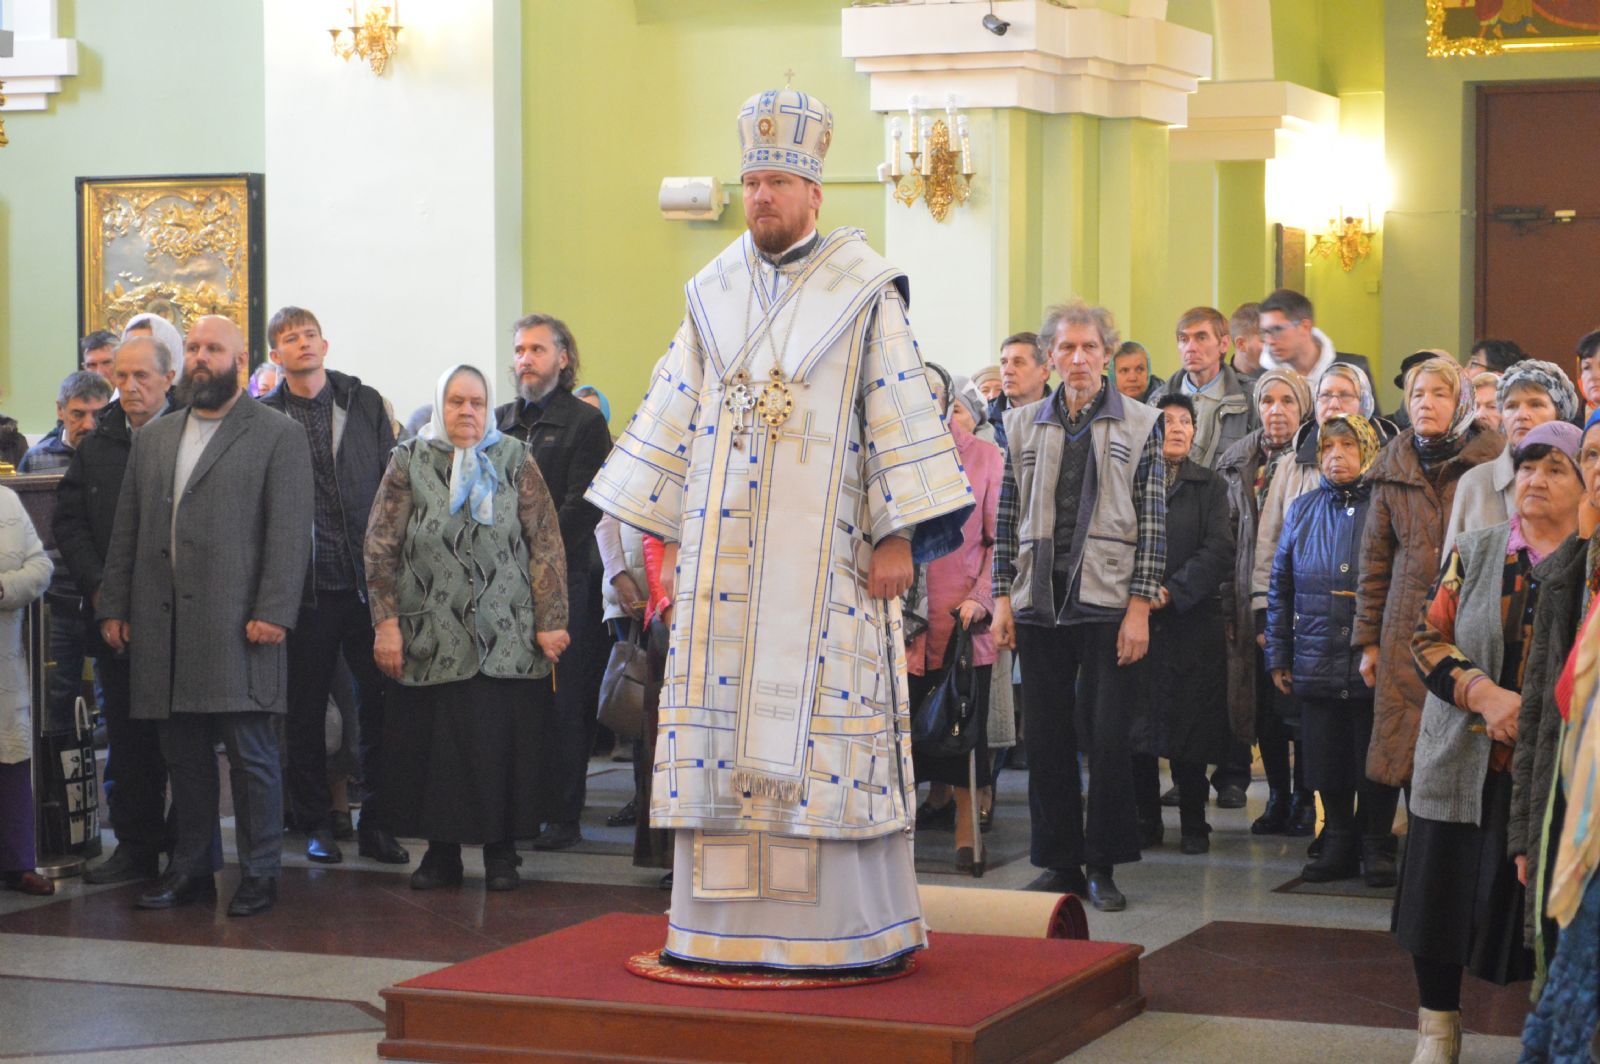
[911,117]
[966,144]
[894,149]
[927,145]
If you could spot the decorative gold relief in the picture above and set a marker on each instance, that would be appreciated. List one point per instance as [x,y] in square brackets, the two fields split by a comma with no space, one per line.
[174,246]
[3,140]
[1455,28]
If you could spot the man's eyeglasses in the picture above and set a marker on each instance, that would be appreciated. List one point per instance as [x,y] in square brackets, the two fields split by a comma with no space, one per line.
[1273,330]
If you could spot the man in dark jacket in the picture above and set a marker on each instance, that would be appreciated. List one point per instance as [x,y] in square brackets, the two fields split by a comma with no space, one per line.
[569,440]
[1024,379]
[351,435]
[86,505]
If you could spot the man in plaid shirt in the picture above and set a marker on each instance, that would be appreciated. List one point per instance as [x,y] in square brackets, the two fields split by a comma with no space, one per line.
[1079,556]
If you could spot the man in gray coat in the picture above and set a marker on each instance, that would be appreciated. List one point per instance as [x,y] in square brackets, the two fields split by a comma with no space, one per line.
[202,582]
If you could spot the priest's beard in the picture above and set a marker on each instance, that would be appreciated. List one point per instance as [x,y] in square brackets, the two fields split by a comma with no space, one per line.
[774,235]
[208,391]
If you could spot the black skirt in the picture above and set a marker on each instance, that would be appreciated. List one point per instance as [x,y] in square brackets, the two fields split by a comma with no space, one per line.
[460,759]
[1458,900]
[1334,736]
[1183,683]
[953,770]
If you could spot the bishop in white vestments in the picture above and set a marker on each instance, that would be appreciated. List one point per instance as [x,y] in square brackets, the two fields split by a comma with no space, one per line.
[789,446]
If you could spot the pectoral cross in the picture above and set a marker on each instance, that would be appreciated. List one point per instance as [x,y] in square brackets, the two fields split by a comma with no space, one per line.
[741,403]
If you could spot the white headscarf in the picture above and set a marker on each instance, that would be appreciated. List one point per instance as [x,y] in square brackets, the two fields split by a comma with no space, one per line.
[472,474]
[167,333]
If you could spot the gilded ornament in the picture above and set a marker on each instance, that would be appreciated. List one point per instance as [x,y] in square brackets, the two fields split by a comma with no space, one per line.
[776,402]
[943,184]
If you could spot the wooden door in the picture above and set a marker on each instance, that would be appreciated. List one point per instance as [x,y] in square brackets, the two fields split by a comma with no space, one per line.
[1538,266]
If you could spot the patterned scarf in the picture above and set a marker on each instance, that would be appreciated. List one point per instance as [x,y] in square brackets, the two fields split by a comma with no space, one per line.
[1434,449]
[1366,439]
[472,475]
[1578,853]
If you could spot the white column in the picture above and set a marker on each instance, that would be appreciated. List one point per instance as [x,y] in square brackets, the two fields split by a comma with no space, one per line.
[393,203]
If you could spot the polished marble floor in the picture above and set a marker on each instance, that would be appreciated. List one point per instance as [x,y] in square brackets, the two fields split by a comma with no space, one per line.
[1240,966]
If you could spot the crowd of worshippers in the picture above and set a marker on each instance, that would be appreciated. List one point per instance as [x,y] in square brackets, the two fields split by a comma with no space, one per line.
[1249,554]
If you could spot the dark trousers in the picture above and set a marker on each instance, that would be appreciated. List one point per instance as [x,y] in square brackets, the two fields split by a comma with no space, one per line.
[573,715]
[1275,738]
[67,650]
[1372,820]
[1190,776]
[1235,771]
[136,771]
[188,741]
[1076,699]
[340,623]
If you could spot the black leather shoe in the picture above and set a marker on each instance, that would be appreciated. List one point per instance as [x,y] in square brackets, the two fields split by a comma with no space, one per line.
[175,889]
[1302,815]
[1103,892]
[343,828]
[1274,818]
[380,845]
[1194,844]
[1315,849]
[438,869]
[1377,861]
[558,837]
[256,894]
[940,818]
[628,814]
[1169,797]
[123,867]
[1340,859]
[321,848]
[666,882]
[1061,881]
[1231,797]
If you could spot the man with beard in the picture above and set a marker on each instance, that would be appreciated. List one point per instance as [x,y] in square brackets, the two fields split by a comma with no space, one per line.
[569,439]
[203,579]
[790,445]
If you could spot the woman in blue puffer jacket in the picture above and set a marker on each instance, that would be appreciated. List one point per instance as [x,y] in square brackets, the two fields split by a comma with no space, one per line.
[1310,610]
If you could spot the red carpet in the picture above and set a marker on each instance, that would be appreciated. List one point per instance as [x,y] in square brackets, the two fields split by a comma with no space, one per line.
[963,978]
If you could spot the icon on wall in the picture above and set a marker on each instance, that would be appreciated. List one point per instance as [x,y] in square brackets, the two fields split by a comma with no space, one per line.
[178,246]
[1492,27]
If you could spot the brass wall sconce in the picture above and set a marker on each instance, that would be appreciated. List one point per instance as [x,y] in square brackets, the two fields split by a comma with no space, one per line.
[373,35]
[1351,239]
[6,45]
[933,175]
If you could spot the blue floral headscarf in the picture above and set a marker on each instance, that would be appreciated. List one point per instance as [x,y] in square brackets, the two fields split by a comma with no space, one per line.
[472,476]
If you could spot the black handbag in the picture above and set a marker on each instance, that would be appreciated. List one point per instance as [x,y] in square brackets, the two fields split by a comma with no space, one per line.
[622,690]
[946,723]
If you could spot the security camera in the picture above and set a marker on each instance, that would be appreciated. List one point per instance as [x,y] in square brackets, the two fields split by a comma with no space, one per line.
[995,24]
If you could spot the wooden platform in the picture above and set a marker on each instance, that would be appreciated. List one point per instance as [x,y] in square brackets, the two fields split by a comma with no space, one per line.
[566,997]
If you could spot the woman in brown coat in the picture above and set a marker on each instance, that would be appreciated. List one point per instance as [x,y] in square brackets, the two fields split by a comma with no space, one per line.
[1414,483]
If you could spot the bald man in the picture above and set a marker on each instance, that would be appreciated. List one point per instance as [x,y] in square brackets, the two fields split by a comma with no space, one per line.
[202,583]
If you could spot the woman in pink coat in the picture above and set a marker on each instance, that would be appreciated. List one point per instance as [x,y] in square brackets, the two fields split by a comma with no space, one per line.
[956,588]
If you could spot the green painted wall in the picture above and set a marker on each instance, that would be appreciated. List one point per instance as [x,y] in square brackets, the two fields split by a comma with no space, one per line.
[178,89]
[1430,117]
[621,93]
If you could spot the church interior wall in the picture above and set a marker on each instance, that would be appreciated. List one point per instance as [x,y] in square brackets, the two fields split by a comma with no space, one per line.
[174,88]
[510,159]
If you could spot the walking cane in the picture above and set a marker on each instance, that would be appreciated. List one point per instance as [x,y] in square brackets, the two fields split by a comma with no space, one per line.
[978,849]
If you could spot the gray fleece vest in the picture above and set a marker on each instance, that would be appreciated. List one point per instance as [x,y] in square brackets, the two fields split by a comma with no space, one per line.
[1036,441]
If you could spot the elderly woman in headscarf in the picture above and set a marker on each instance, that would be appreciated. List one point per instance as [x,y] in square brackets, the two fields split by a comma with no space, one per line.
[1413,487]
[956,593]
[24,575]
[1255,710]
[1460,904]
[1308,651]
[1529,394]
[467,577]
[1341,389]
